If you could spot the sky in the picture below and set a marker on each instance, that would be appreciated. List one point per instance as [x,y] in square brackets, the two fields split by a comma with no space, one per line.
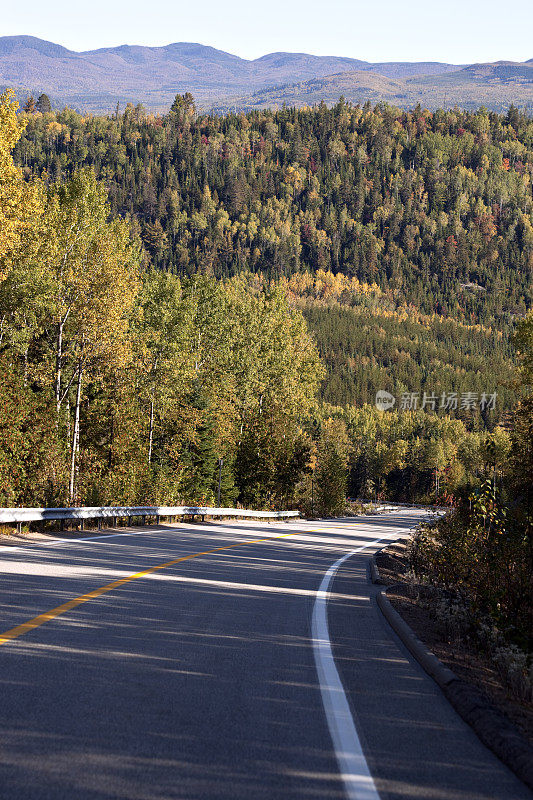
[455,31]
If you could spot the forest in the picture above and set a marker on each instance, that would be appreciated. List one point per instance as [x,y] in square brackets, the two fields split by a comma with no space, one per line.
[431,212]
[434,208]
[180,289]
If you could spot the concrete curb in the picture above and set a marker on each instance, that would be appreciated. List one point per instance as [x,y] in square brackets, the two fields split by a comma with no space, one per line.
[427,660]
[492,727]
[375,577]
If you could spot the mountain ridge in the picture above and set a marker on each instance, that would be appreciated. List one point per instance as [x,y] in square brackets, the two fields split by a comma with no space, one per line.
[95,80]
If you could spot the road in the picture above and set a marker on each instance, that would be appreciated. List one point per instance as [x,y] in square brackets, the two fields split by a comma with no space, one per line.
[199,680]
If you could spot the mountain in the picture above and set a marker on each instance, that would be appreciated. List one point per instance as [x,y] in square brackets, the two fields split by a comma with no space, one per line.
[96,80]
[495,86]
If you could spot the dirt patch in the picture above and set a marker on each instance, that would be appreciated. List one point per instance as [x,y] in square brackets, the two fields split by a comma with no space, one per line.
[461,656]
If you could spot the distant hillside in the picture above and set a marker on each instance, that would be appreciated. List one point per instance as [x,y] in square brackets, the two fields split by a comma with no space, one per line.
[492,85]
[495,86]
[96,80]
[357,86]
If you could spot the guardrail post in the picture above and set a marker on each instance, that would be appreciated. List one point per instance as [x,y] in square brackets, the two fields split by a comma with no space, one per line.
[157,518]
[99,523]
[19,527]
[82,524]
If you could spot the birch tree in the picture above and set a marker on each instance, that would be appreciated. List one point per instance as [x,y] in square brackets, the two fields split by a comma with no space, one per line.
[164,363]
[94,284]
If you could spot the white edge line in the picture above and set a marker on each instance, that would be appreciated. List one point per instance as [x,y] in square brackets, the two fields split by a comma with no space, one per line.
[358,781]
[57,542]
[40,545]
[4,550]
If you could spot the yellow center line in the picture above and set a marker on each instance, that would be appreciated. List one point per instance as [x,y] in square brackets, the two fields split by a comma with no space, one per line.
[31,624]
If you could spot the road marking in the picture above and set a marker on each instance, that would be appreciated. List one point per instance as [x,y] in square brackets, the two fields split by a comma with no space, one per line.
[36,622]
[355,773]
[7,549]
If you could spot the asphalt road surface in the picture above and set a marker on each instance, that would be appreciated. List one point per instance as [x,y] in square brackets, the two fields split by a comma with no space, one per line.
[224,676]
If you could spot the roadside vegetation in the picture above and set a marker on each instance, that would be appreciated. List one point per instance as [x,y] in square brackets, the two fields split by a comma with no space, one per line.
[181,289]
[465,581]
[482,552]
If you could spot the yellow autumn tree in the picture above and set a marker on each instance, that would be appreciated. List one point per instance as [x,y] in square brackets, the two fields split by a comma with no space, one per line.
[93,282]
[20,202]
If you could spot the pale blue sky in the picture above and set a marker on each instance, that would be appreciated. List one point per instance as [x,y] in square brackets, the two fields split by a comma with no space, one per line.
[457,31]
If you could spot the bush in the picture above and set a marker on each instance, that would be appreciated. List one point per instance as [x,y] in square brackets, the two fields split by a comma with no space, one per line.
[454,617]
[511,663]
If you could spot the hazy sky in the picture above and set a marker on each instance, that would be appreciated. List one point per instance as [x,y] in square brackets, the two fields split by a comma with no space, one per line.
[457,31]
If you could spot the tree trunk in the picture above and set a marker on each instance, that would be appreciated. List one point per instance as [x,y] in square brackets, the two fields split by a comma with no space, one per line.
[67,421]
[59,359]
[26,366]
[75,437]
[151,437]
[111,442]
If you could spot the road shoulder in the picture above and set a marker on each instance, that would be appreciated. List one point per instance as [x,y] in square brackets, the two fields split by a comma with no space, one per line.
[415,743]
[463,677]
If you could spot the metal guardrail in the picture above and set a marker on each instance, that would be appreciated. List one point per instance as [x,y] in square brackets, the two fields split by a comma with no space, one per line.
[99,513]
[390,504]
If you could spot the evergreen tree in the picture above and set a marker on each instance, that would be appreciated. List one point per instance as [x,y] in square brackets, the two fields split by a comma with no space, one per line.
[228,489]
[331,468]
[43,104]
[199,454]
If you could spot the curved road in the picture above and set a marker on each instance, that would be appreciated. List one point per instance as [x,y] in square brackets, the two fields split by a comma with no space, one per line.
[198,680]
